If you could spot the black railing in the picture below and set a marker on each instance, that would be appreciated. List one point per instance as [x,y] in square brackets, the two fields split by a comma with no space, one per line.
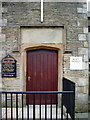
[37,105]
[69,99]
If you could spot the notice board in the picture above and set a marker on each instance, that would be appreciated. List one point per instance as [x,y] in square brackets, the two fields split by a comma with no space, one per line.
[8,67]
[75,63]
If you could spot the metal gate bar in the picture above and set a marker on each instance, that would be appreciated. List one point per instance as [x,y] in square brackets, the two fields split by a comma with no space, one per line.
[14,105]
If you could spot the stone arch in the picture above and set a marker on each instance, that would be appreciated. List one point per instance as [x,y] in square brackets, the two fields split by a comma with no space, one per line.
[28,47]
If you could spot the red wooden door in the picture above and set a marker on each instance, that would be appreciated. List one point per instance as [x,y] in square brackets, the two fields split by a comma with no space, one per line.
[42,73]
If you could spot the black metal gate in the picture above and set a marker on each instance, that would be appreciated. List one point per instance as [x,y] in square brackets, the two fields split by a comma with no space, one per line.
[69,100]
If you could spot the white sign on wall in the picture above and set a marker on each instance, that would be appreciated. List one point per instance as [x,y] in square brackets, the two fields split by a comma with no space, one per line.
[75,63]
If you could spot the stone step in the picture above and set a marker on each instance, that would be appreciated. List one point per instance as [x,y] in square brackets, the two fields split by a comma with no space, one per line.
[37,112]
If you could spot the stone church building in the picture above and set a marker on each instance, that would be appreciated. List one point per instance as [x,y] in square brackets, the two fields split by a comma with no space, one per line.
[53,33]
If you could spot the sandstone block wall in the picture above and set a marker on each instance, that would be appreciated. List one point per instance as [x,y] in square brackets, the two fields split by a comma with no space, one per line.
[72,16]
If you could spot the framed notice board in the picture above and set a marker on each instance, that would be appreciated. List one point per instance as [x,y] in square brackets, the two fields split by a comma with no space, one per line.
[8,67]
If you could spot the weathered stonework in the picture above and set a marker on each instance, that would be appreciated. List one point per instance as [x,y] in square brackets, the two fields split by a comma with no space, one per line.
[71,16]
[1,43]
[82,37]
[85,30]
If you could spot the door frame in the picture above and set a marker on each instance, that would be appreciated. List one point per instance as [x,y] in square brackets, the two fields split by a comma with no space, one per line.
[26,47]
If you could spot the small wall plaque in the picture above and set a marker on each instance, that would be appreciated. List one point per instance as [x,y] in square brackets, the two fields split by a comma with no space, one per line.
[75,63]
[8,67]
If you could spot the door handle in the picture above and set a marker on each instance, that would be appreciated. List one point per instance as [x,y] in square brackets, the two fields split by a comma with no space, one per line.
[29,78]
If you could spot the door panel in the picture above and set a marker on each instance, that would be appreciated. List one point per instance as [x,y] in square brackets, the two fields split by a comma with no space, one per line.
[42,67]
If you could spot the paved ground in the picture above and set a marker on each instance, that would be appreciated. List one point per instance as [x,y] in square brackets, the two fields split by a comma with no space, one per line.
[82,116]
